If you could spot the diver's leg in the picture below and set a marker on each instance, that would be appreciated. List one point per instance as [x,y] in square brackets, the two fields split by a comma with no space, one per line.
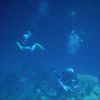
[37,45]
[33,47]
[23,47]
[40,46]
[19,45]
[64,86]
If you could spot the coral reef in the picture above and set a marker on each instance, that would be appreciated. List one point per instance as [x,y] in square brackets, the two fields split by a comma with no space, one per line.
[89,89]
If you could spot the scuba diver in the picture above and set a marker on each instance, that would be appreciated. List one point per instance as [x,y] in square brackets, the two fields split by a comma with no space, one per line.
[68,80]
[23,46]
[74,42]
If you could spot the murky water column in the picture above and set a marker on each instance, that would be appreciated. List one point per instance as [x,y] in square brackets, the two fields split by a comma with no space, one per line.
[74,40]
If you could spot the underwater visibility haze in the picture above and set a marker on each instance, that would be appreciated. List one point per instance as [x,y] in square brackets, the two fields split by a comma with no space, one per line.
[49,49]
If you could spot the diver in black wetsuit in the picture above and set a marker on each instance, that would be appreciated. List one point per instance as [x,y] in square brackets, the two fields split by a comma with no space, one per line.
[68,80]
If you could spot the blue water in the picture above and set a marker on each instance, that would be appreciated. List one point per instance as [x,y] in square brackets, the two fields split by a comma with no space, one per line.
[50,22]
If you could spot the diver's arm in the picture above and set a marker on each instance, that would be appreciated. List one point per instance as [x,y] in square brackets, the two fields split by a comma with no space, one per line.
[19,45]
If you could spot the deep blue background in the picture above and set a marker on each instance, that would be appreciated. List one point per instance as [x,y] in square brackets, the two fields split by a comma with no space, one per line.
[51,28]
